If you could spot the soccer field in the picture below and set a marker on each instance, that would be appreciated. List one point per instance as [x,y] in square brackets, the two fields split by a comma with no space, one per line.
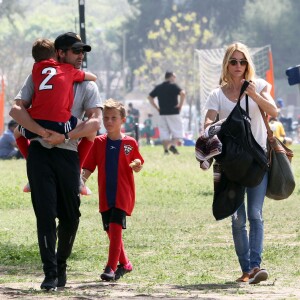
[172,237]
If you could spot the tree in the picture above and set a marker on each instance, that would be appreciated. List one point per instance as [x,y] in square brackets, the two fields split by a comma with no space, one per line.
[275,27]
[45,19]
[171,47]
[10,9]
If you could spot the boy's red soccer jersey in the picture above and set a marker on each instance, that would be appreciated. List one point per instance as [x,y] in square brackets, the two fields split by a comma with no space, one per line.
[53,90]
[124,191]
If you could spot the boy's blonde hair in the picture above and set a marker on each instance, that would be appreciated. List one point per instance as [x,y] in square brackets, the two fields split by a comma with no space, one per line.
[43,49]
[111,103]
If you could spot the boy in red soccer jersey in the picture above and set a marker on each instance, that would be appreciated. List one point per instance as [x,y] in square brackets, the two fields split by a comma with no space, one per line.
[116,156]
[53,98]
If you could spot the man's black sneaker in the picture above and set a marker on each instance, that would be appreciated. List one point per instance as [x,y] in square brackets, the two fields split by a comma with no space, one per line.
[166,152]
[61,275]
[50,282]
[122,270]
[173,150]
[108,274]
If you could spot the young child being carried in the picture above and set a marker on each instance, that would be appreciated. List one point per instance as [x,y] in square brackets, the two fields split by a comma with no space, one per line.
[116,156]
[53,99]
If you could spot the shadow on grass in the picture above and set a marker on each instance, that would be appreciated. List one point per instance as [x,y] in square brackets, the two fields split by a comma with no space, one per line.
[208,286]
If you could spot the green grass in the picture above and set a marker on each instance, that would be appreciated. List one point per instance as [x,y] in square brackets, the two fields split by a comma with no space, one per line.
[171,238]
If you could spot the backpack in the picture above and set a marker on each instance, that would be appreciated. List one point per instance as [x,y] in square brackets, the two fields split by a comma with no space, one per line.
[242,159]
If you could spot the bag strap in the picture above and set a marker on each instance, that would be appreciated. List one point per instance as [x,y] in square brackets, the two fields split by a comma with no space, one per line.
[269,130]
[243,88]
[274,143]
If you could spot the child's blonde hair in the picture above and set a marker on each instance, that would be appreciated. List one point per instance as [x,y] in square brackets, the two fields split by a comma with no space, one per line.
[111,103]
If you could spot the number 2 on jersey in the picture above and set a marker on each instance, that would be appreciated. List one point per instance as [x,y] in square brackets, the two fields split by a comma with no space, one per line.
[51,72]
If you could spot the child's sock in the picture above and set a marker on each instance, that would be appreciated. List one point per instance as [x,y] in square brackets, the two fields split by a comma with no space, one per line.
[84,148]
[123,259]
[23,145]
[115,237]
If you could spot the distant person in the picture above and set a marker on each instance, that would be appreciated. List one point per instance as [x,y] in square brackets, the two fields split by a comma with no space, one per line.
[134,112]
[53,99]
[129,124]
[170,125]
[278,131]
[115,155]
[286,122]
[8,146]
[148,129]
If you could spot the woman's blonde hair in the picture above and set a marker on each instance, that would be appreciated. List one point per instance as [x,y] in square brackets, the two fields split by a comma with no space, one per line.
[111,103]
[250,68]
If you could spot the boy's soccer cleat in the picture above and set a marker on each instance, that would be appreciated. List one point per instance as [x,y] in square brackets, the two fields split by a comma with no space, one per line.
[83,189]
[26,188]
[122,270]
[108,274]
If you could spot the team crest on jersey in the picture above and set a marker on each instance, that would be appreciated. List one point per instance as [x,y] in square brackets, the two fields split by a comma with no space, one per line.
[127,149]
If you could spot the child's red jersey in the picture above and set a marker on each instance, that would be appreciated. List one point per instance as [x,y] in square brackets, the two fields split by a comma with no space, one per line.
[53,90]
[125,190]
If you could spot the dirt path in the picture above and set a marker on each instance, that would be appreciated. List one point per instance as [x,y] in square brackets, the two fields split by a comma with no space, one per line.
[100,290]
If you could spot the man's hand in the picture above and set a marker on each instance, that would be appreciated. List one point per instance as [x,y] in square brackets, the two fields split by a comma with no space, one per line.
[54,138]
[179,107]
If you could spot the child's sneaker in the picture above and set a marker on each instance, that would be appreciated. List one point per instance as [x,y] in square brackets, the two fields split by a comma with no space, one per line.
[26,188]
[122,270]
[174,150]
[83,189]
[108,274]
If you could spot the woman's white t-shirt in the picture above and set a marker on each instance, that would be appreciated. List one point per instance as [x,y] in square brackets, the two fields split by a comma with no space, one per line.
[220,103]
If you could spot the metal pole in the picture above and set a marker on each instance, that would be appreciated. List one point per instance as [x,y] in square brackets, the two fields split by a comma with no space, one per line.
[81,4]
[137,132]
[124,62]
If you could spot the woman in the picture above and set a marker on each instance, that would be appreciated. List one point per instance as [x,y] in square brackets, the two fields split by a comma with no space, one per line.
[238,66]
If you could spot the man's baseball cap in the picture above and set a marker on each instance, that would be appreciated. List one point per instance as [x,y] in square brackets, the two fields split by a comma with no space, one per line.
[70,40]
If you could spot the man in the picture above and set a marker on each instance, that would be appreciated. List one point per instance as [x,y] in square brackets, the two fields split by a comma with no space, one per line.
[170,125]
[53,165]
[134,112]
[8,146]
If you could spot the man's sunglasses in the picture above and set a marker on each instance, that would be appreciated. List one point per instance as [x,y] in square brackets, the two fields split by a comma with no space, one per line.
[77,51]
[234,62]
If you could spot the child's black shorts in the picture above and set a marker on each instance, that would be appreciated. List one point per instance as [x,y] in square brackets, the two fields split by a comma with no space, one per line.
[113,215]
[55,126]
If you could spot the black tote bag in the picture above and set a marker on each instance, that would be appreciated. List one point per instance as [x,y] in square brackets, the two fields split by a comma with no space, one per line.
[243,160]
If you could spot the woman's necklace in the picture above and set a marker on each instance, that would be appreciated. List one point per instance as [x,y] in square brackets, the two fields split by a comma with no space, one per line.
[232,94]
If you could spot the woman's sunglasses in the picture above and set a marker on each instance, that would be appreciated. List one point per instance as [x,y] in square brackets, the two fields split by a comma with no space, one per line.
[234,62]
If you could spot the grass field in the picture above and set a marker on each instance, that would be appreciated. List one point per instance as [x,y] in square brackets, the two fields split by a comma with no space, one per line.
[172,237]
